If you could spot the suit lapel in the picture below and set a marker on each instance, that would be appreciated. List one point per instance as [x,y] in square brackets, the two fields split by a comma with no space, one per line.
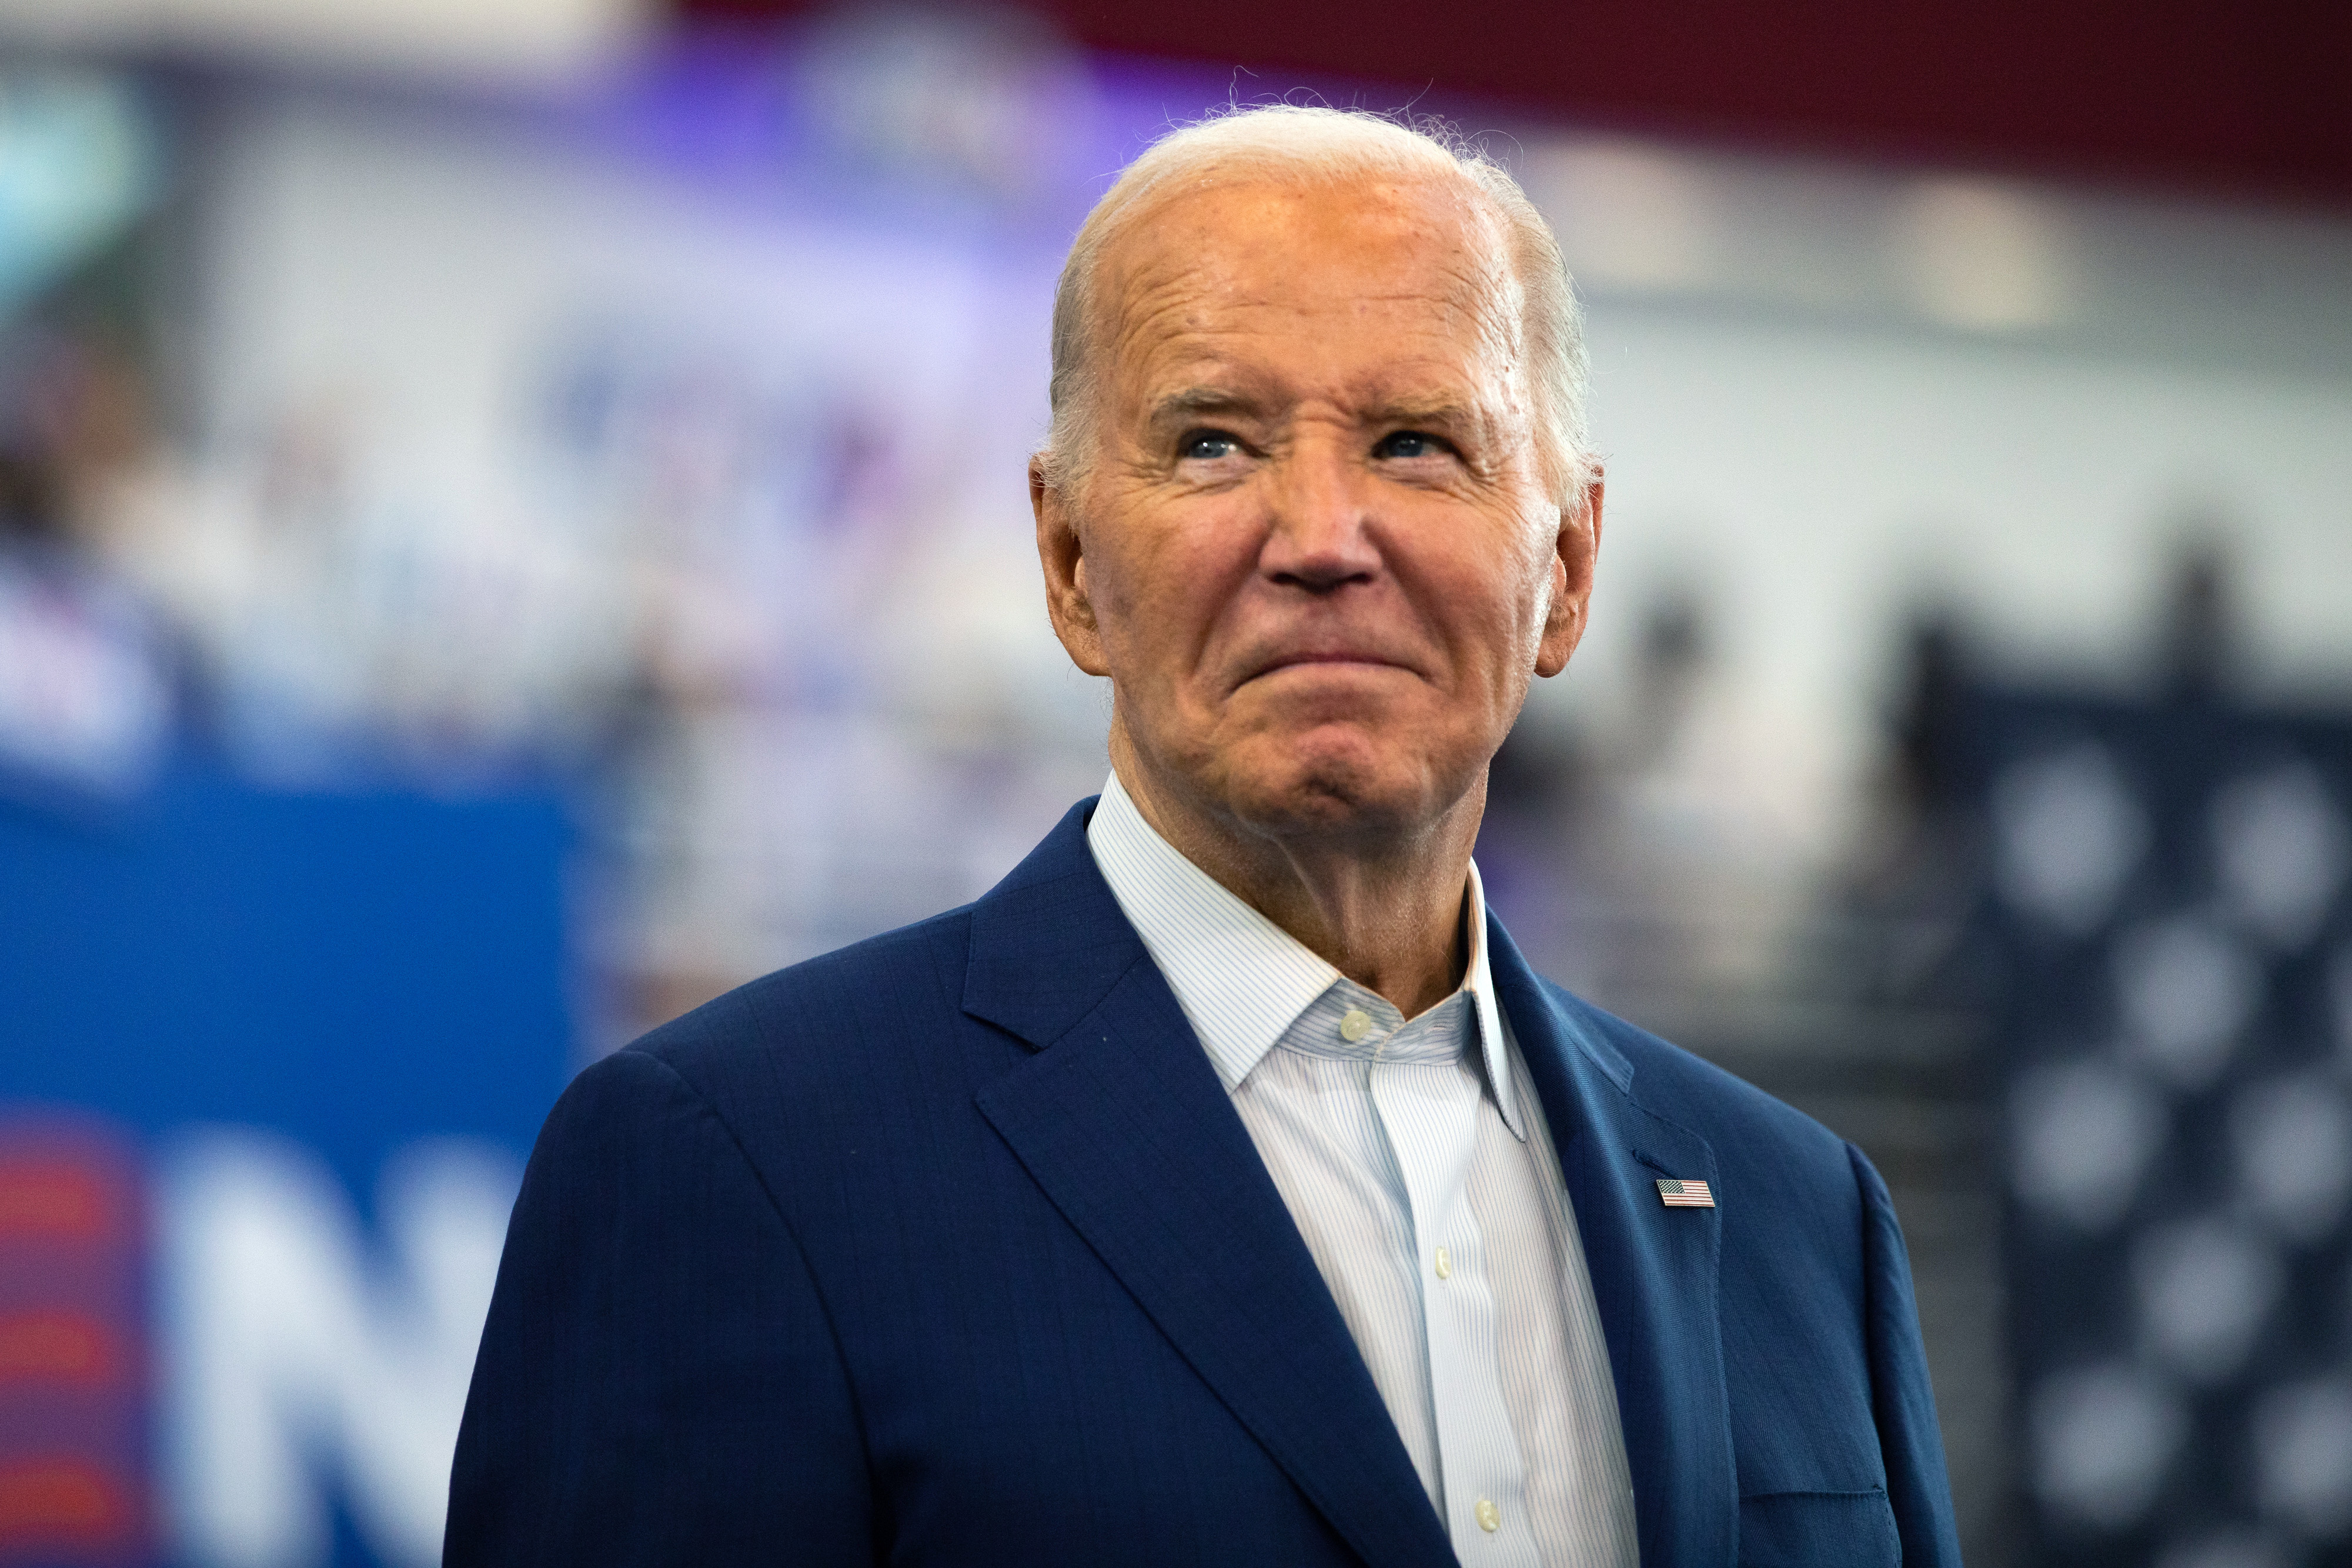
[1122,1122]
[1653,1270]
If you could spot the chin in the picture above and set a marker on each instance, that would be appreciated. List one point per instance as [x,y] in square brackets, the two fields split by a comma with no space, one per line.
[1321,784]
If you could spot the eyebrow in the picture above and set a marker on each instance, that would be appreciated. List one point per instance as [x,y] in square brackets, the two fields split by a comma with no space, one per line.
[1448,412]
[1190,402]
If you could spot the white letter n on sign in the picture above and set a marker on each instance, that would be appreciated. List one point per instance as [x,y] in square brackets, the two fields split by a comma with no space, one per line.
[294,1355]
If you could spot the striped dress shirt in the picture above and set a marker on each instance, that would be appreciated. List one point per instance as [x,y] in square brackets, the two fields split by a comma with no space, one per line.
[1421,1174]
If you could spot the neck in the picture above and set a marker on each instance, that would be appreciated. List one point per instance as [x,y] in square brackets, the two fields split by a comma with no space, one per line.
[1383,909]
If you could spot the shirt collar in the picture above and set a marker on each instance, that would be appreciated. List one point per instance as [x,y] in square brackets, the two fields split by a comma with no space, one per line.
[1241,979]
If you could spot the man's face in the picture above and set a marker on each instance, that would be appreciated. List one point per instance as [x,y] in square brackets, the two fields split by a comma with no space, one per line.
[1314,550]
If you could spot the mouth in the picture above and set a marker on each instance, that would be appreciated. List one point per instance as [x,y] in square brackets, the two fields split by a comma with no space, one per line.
[1340,658]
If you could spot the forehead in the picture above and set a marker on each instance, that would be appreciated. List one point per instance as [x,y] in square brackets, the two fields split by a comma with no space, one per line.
[1373,281]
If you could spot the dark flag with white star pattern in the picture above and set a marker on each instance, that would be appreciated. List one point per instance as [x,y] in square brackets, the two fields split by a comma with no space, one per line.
[2166,907]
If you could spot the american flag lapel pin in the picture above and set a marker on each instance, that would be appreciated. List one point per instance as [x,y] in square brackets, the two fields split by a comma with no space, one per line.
[1683,1194]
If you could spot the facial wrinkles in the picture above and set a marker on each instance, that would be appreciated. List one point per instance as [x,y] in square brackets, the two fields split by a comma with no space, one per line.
[1182,286]
[1213,374]
[1188,312]
[1171,259]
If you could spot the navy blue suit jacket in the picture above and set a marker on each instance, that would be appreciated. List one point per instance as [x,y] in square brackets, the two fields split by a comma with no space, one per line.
[948,1248]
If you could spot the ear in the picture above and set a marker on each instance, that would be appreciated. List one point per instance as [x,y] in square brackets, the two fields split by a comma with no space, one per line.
[1062,553]
[1574,552]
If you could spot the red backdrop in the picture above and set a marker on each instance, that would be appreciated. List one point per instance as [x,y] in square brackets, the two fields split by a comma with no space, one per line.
[2200,93]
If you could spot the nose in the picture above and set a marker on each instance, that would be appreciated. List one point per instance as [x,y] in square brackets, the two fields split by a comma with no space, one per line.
[1320,540]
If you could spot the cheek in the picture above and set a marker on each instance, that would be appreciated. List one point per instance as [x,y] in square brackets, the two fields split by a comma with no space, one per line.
[1493,604]
[1163,584]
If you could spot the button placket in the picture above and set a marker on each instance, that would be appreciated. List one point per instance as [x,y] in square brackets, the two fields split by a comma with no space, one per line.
[1428,1111]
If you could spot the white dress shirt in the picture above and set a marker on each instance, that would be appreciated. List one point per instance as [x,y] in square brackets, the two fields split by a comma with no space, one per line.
[1421,1176]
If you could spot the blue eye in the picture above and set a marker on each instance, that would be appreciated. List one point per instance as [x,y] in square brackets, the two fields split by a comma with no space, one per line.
[1408,443]
[1207,446]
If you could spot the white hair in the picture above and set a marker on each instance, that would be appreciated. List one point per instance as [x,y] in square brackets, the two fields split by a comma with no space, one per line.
[1301,145]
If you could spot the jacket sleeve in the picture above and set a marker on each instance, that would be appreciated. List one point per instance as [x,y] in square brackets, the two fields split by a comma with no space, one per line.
[658,1382]
[1902,1398]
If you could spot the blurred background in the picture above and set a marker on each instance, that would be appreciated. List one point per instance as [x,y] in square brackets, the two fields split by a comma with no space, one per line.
[512,522]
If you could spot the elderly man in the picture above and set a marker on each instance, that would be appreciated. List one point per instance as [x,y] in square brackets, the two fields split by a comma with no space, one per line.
[1224,1188]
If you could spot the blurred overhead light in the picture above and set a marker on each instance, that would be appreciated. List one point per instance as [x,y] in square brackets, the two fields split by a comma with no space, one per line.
[474,37]
[79,160]
[1628,216]
[1984,256]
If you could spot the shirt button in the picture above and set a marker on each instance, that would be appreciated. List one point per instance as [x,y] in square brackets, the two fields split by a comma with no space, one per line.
[1353,1026]
[1490,1518]
[1444,1264]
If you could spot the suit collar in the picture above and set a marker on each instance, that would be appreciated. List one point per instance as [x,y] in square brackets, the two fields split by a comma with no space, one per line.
[1124,1125]
[1048,942]
[1654,1270]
